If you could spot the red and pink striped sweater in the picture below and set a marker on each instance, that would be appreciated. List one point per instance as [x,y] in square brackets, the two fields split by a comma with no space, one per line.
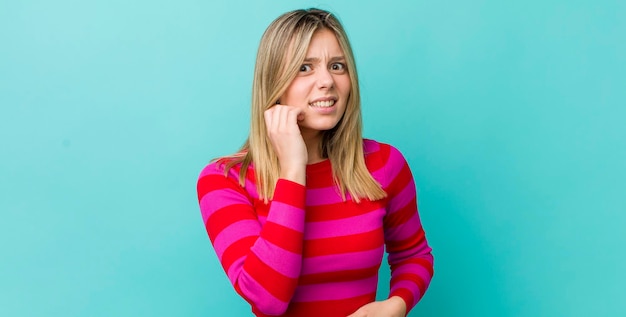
[307,252]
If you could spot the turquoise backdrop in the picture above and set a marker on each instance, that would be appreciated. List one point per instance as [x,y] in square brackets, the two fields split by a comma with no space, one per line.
[510,113]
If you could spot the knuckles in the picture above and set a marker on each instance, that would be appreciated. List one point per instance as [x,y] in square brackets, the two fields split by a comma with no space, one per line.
[281,119]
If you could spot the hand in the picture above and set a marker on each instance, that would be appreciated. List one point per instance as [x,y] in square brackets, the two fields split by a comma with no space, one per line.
[284,134]
[392,307]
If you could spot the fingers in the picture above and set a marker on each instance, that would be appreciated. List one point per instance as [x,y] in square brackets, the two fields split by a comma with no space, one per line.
[268,118]
[282,114]
[284,135]
[394,307]
[357,313]
[283,119]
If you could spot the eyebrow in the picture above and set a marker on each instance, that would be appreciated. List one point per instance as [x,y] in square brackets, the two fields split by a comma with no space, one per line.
[332,59]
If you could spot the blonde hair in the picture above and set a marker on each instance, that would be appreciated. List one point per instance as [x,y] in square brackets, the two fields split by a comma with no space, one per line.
[281,52]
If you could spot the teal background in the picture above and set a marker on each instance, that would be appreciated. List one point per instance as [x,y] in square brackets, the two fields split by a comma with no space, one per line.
[510,113]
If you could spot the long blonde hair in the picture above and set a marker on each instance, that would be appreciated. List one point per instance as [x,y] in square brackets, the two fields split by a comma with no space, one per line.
[281,52]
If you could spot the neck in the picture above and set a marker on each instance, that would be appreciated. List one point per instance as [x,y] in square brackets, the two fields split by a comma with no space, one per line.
[313,141]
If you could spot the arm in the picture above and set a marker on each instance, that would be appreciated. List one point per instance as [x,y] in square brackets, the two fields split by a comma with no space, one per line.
[262,262]
[409,256]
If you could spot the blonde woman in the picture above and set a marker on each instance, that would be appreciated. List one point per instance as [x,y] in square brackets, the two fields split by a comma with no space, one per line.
[300,217]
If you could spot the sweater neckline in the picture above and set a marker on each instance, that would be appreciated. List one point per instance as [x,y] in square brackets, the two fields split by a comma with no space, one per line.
[318,167]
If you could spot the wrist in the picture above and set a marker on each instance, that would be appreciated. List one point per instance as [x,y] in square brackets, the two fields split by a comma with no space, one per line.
[398,305]
[296,175]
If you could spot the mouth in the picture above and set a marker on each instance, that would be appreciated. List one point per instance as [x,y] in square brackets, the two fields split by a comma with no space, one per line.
[322,103]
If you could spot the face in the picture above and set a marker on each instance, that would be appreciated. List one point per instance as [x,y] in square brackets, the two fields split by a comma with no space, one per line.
[322,86]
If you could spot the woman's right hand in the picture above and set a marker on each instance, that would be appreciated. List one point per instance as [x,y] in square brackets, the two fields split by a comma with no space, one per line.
[284,134]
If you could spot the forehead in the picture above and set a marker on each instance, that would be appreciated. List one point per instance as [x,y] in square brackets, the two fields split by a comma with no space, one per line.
[324,42]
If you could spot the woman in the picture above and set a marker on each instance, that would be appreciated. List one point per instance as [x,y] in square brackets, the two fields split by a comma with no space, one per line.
[300,216]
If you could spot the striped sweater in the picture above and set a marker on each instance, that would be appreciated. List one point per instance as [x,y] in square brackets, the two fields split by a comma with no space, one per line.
[307,252]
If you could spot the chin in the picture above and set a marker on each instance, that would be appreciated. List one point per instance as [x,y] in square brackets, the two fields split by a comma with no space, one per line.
[319,126]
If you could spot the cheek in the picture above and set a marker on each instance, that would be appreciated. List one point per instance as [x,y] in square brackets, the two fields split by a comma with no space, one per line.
[343,85]
[297,92]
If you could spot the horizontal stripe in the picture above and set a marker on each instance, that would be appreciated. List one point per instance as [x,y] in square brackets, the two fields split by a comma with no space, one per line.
[370,146]
[213,182]
[251,189]
[346,226]
[282,261]
[375,161]
[287,216]
[262,220]
[342,307]
[415,239]
[317,178]
[218,199]
[224,217]
[425,262]
[212,169]
[335,291]
[400,180]
[261,208]
[404,231]
[384,178]
[277,284]
[290,193]
[286,238]
[352,243]
[338,276]
[343,261]
[259,297]
[414,269]
[380,175]
[234,171]
[417,274]
[407,196]
[214,174]
[323,196]
[407,278]
[402,215]
[236,252]
[234,233]
[340,210]
[210,183]
[395,161]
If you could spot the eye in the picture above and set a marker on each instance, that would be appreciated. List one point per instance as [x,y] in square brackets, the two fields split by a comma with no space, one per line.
[305,68]
[338,67]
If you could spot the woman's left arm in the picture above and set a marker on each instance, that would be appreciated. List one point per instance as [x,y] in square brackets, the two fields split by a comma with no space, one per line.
[409,254]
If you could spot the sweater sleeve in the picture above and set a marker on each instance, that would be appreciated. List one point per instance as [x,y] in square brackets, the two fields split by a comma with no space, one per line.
[262,261]
[409,255]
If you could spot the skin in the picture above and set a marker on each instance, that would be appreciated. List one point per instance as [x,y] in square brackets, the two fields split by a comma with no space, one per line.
[295,128]
[392,307]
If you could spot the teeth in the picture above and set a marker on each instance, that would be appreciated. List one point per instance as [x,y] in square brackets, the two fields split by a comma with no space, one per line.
[323,104]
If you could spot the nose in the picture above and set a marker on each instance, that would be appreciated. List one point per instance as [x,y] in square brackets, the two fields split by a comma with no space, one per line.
[325,79]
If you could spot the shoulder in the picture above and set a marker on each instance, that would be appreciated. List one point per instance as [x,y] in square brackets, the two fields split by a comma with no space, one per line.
[383,152]
[220,174]
[384,161]
[216,167]
[221,169]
